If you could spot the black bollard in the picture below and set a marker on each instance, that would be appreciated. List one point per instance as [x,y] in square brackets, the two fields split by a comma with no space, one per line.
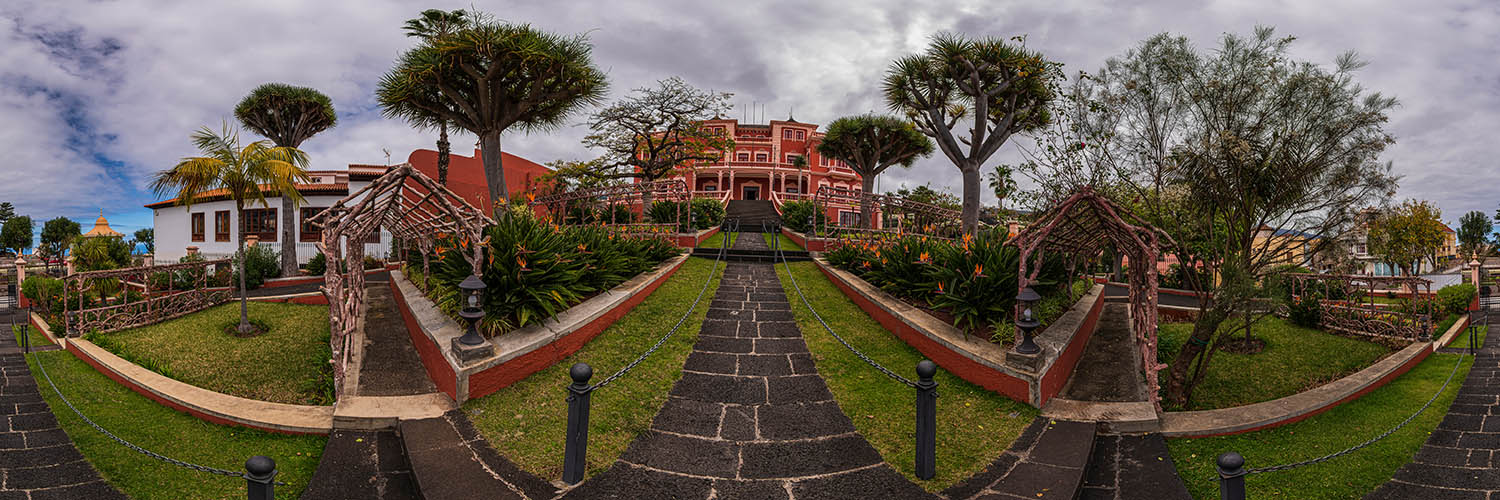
[926,420]
[576,446]
[260,478]
[1231,476]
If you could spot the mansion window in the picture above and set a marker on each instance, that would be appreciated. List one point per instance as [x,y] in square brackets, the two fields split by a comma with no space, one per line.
[221,225]
[786,133]
[801,135]
[792,157]
[260,222]
[710,187]
[309,232]
[198,226]
[761,157]
[742,157]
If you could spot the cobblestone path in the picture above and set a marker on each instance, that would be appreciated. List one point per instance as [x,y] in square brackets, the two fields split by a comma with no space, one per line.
[750,417]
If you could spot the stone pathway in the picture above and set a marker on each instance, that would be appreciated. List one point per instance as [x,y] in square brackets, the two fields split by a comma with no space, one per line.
[1110,369]
[1132,467]
[37,459]
[452,461]
[1046,461]
[750,418]
[362,464]
[750,241]
[390,365]
[1461,457]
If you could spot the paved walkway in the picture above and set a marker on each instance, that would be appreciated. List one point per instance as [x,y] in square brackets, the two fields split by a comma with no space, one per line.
[37,459]
[363,464]
[1461,457]
[750,241]
[1132,467]
[750,418]
[1110,369]
[389,364]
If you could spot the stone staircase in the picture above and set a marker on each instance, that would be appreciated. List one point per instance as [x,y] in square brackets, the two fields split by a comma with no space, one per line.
[752,214]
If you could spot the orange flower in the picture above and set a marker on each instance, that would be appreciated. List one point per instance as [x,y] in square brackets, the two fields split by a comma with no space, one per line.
[940,288]
[979,270]
[924,258]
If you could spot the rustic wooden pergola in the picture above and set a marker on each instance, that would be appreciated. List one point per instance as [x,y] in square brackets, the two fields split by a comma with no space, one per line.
[1079,229]
[1358,314]
[157,305]
[413,208]
[908,216]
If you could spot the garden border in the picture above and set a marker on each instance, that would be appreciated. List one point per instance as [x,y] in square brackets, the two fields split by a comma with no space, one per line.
[979,361]
[522,352]
[211,406]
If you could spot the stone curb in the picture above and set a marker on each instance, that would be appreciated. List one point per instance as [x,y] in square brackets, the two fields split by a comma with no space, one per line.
[208,405]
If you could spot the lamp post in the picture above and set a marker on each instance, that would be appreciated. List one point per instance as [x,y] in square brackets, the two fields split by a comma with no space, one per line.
[473,292]
[1027,322]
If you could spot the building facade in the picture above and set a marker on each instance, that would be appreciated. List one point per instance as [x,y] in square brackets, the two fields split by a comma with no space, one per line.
[762,166]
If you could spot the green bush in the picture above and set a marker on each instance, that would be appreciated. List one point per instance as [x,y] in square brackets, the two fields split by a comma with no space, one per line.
[796,214]
[1455,299]
[1307,312]
[707,213]
[261,263]
[46,292]
[372,263]
[317,264]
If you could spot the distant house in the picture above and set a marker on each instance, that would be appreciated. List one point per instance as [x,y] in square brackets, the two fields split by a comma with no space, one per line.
[1287,247]
[212,226]
[1357,241]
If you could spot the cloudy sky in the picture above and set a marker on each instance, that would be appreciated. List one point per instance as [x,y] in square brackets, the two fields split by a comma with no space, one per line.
[96,96]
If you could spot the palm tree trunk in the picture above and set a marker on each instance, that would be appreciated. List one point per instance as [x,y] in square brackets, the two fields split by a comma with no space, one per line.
[288,236]
[443,152]
[239,209]
[494,172]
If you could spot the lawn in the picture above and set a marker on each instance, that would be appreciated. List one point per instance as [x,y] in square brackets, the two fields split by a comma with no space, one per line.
[163,430]
[1295,359]
[974,425]
[289,364]
[526,422]
[717,240]
[36,336]
[1462,340]
[786,242]
[1350,476]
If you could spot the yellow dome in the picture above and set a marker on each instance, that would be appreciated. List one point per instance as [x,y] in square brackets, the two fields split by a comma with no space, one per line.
[101,228]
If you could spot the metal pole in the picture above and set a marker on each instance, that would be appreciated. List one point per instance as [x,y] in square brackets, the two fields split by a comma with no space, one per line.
[576,446]
[926,420]
[260,478]
[1231,476]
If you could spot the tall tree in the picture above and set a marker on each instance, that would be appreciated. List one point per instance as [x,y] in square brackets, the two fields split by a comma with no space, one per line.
[287,115]
[653,132]
[1474,234]
[245,173]
[6,211]
[870,144]
[1213,146]
[1405,235]
[435,24]
[490,76]
[1002,88]
[1002,183]
[800,163]
[15,234]
[146,237]
[57,235]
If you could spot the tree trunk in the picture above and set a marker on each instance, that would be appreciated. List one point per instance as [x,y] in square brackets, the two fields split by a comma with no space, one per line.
[494,172]
[443,152]
[971,198]
[1179,387]
[239,210]
[865,215]
[288,236]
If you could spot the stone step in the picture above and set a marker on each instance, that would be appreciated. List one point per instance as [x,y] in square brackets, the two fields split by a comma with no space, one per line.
[1048,460]
[741,255]
[449,460]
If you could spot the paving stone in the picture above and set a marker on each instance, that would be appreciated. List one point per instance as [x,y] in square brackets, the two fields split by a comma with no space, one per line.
[806,458]
[764,315]
[724,344]
[1104,463]
[710,363]
[798,388]
[51,476]
[1439,455]
[687,455]
[1394,490]
[739,423]
[1035,480]
[731,314]
[39,457]
[12,440]
[1462,422]
[687,416]
[1476,458]
[779,346]
[96,490]
[876,482]
[978,482]
[802,364]
[33,422]
[764,365]
[726,304]
[721,388]
[1479,440]
[803,420]
[749,490]
[777,329]
[50,437]
[719,328]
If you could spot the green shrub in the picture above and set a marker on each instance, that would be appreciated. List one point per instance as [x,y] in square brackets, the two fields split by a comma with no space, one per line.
[262,263]
[1443,326]
[317,264]
[979,280]
[707,213]
[46,292]
[1455,299]
[795,215]
[1307,312]
[372,263]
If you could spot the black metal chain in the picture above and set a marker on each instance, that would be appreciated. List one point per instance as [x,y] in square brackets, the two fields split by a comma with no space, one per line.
[788,265]
[200,468]
[723,248]
[1382,435]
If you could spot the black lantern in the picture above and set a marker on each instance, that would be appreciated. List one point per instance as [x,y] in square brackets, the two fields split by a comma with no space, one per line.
[472,289]
[1027,322]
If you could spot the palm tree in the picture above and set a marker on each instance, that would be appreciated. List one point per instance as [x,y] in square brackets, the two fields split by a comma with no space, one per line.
[287,115]
[432,25]
[490,76]
[245,174]
[870,144]
[799,161]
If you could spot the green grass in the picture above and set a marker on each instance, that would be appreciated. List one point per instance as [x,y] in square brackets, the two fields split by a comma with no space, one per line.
[287,365]
[1295,359]
[1350,476]
[163,430]
[717,240]
[786,242]
[527,421]
[35,336]
[974,425]
[1462,340]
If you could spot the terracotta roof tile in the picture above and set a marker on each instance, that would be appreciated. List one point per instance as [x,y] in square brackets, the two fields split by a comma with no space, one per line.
[221,194]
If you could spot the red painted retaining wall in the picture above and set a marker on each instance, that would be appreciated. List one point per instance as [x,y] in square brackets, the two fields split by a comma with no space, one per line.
[438,369]
[958,364]
[99,367]
[504,374]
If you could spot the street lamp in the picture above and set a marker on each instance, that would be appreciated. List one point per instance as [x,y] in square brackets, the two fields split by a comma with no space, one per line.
[472,289]
[1027,322]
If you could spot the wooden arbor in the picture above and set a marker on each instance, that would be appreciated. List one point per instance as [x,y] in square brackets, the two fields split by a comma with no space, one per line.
[1080,228]
[1355,312]
[412,207]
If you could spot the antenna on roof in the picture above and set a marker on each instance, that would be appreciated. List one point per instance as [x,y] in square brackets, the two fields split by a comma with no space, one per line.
[387,156]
